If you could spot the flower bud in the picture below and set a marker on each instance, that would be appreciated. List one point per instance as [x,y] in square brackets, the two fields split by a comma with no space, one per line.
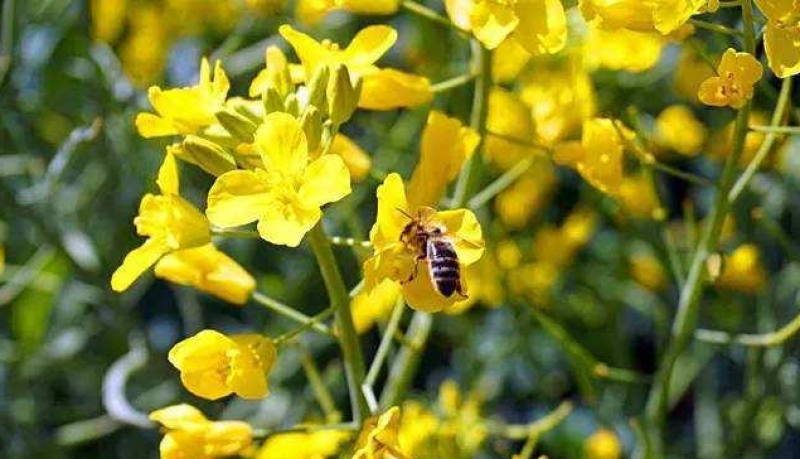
[342,95]
[317,87]
[206,154]
[312,126]
[237,125]
[273,101]
[292,105]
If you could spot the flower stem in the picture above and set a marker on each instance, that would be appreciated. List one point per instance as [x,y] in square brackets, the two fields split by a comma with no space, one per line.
[431,15]
[452,83]
[340,302]
[685,323]
[405,365]
[290,312]
[385,345]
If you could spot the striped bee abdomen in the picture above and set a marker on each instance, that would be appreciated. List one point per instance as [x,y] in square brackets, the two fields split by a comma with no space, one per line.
[443,266]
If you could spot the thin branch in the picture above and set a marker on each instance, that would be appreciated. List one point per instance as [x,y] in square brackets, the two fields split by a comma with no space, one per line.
[714,27]
[290,312]
[453,83]
[385,345]
[774,338]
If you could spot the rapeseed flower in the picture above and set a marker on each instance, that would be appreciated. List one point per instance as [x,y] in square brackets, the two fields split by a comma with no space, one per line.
[622,49]
[664,16]
[170,223]
[285,192]
[646,270]
[370,306]
[189,435]
[743,271]
[733,87]
[526,198]
[302,445]
[691,71]
[782,35]
[378,437]
[214,365]
[313,11]
[539,26]
[679,130]
[512,130]
[639,197]
[603,444]
[382,89]
[209,270]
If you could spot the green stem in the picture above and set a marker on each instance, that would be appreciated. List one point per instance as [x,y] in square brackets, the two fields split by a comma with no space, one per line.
[431,15]
[340,302]
[407,361]
[774,338]
[317,319]
[501,183]
[290,313]
[386,343]
[320,390]
[452,83]
[714,27]
[688,307]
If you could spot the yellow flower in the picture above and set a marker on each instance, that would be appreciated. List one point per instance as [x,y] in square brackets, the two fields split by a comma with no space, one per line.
[355,158]
[665,16]
[743,271]
[378,437]
[782,36]
[446,144]
[679,130]
[738,74]
[540,26]
[603,444]
[639,197]
[598,156]
[523,200]
[560,99]
[690,73]
[622,49]
[510,119]
[144,52]
[486,286]
[647,271]
[419,428]
[276,74]
[108,19]
[369,306]
[721,144]
[399,261]
[286,192]
[383,89]
[508,61]
[208,270]
[300,445]
[312,11]
[191,436]
[186,110]
[463,428]
[213,365]
[169,222]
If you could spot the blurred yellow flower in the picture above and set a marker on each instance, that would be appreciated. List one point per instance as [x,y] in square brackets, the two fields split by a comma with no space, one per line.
[463,428]
[398,260]
[738,74]
[208,270]
[286,192]
[511,126]
[355,158]
[169,222]
[679,130]
[782,35]
[300,445]
[665,16]
[214,365]
[721,144]
[2,259]
[186,110]
[378,437]
[539,26]
[743,271]
[383,89]
[508,61]
[639,197]
[418,430]
[646,270]
[312,11]
[560,99]
[598,156]
[445,146]
[191,436]
[108,18]
[603,444]
[622,49]
[369,306]
[690,73]
[523,200]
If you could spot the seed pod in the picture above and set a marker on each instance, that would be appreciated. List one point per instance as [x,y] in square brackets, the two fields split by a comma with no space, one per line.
[342,95]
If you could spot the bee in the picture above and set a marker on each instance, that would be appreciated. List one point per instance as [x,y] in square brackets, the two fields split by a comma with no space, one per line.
[431,243]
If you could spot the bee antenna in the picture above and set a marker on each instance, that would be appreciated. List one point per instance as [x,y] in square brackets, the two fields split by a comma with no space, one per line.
[404,213]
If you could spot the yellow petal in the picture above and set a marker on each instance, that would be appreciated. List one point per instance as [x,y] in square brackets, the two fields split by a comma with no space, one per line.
[150,125]
[508,117]
[712,93]
[179,416]
[281,142]
[392,204]
[226,438]
[369,45]
[287,223]
[370,6]
[466,235]
[205,350]
[421,294]
[670,15]
[388,89]
[210,385]
[783,49]
[136,262]
[168,175]
[371,305]
[237,198]
[310,52]
[325,180]
[459,12]
[492,22]
[542,27]
[508,61]
[777,9]
[355,158]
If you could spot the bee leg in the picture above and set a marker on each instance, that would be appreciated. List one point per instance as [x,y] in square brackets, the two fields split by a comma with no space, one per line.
[415,271]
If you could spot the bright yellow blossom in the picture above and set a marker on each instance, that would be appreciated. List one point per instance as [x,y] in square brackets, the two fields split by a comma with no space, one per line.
[598,156]
[169,222]
[647,271]
[738,74]
[186,110]
[302,445]
[312,11]
[189,435]
[383,89]
[510,122]
[540,26]
[523,200]
[679,130]
[209,270]
[394,259]
[355,158]
[603,444]
[743,270]
[286,192]
[418,430]
[213,365]
[378,437]
[508,61]
[622,49]
[665,16]
[369,306]
[782,35]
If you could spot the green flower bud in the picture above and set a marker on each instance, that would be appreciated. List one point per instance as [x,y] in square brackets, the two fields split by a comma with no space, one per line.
[342,95]
[273,101]
[317,87]
[206,154]
[312,126]
[291,105]
[237,125]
